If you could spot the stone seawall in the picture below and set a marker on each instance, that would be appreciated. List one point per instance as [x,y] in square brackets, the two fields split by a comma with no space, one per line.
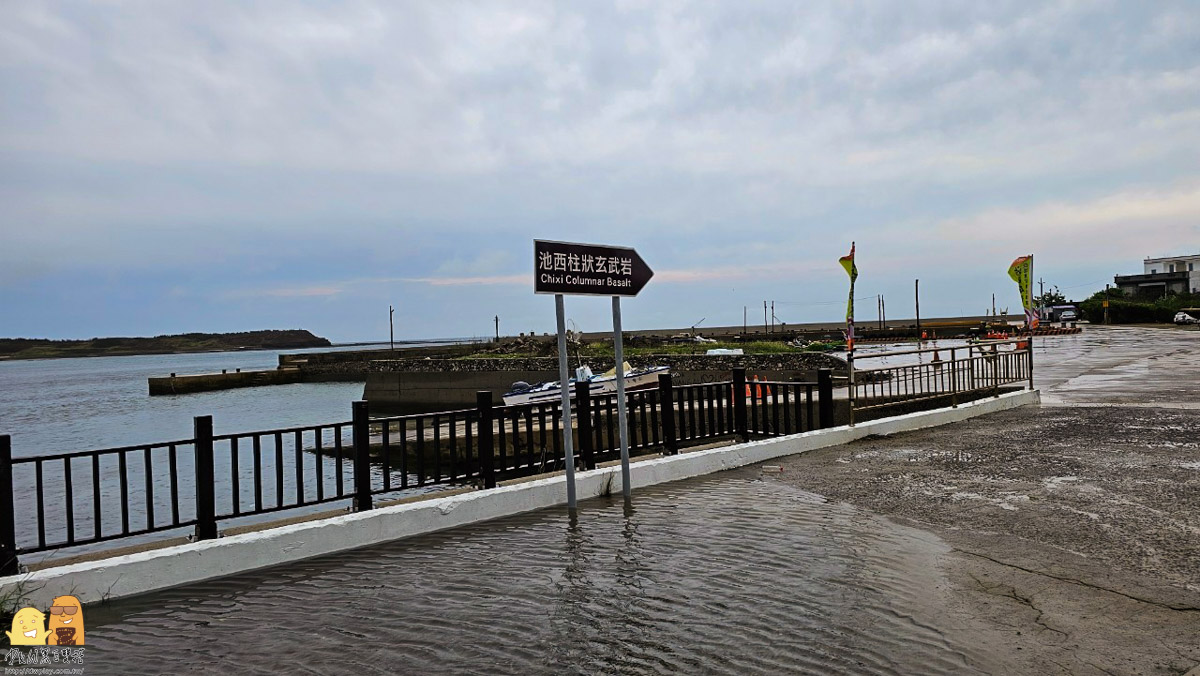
[418,385]
[225,380]
[799,361]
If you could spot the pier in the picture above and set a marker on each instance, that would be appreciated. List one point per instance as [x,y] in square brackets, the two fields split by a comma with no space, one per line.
[208,382]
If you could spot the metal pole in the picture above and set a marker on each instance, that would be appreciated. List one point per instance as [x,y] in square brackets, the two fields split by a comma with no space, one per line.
[391,328]
[850,384]
[206,514]
[622,421]
[744,310]
[917,297]
[764,316]
[9,565]
[497,328]
[953,379]
[883,311]
[1031,360]
[565,386]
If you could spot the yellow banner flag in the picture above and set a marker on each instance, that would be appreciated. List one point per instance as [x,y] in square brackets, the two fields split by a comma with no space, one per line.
[852,270]
[1021,272]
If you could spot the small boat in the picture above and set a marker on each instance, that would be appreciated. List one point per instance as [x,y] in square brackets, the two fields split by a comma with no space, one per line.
[606,383]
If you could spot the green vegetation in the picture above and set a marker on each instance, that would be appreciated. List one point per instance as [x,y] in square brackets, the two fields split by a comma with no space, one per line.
[1051,297]
[1125,310]
[42,348]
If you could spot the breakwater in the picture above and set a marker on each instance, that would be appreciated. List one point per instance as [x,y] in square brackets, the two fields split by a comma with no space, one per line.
[416,385]
[208,382]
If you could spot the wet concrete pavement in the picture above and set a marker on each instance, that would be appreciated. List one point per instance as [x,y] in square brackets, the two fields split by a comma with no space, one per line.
[1074,526]
[1134,366]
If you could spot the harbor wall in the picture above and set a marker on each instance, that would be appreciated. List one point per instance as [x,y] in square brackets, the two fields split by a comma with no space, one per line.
[143,572]
[425,385]
[207,382]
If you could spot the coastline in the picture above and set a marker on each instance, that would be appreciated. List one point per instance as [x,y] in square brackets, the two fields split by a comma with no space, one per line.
[23,349]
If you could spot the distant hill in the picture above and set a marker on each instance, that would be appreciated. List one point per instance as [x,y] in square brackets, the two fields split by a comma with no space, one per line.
[43,348]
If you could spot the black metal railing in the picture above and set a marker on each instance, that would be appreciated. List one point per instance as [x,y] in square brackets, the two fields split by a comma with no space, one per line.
[89,497]
[958,373]
[780,408]
[273,470]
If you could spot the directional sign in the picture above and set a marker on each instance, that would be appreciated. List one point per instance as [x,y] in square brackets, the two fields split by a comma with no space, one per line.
[588,269]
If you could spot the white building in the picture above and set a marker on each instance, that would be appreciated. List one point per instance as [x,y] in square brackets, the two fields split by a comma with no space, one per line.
[1160,276]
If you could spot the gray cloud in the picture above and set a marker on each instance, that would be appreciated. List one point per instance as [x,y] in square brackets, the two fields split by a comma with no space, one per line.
[718,133]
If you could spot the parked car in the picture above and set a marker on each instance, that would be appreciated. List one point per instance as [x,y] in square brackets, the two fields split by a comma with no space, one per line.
[1067,316]
[1185,318]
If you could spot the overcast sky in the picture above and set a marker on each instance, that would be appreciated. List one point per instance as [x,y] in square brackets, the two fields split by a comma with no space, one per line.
[184,166]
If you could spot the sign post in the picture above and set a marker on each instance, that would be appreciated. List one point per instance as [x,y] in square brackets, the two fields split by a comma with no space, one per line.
[563,380]
[590,270]
[619,353]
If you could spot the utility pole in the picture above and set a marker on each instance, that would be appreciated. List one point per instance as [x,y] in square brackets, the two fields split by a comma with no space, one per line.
[764,316]
[772,316]
[883,310]
[744,315]
[1106,304]
[917,298]
[1041,304]
[497,328]
[993,308]
[391,328]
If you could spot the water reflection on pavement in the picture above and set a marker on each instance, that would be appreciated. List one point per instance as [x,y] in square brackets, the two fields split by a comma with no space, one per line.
[729,574]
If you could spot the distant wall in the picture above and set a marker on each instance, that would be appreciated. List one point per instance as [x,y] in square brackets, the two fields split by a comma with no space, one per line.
[208,382]
[418,385]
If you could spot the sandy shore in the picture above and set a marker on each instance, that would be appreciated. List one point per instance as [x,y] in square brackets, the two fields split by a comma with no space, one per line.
[1074,526]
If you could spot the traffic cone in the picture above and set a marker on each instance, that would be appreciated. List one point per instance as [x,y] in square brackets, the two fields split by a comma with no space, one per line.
[757,389]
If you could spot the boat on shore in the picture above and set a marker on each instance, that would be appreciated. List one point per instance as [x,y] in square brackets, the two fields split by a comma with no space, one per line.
[606,383]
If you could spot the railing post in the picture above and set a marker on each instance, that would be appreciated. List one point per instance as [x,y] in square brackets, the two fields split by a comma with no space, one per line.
[953,379]
[361,429]
[1031,359]
[487,439]
[851,390]
[206,503]
[583,409]
[666,403]
[997,359]
[740,424]
[825,397]
[8,510]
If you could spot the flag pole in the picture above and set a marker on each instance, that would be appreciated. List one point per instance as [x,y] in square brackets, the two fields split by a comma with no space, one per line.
[852,270]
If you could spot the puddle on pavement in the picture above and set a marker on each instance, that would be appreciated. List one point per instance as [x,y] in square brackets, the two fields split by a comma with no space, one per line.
[729,574]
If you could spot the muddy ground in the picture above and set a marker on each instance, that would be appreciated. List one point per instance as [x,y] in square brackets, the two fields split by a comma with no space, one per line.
[1075,525]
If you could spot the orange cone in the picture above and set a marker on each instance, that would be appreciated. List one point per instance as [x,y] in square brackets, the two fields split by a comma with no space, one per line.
[757,389]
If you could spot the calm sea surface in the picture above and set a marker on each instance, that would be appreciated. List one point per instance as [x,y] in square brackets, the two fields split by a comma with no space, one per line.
[55,406]
[63,405]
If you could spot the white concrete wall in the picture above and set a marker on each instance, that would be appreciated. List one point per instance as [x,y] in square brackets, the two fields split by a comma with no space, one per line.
[172,566]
